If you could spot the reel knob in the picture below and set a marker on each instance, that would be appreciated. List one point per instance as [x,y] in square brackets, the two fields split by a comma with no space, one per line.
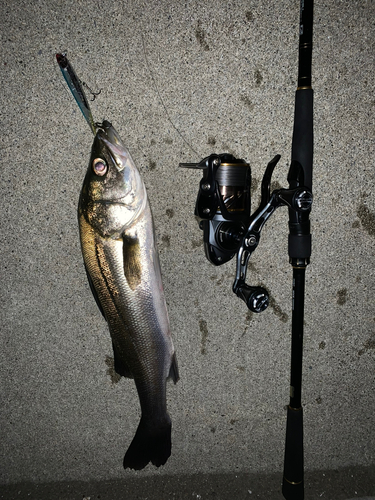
[255,297]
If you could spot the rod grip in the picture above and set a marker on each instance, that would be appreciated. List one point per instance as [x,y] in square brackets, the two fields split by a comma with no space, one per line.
[299,240]
[293,487]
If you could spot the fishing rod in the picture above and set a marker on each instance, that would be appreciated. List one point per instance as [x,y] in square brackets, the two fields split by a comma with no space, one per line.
[299,249]
[223,208]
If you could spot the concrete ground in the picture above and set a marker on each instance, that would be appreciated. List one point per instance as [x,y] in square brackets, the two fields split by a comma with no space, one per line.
[181,80]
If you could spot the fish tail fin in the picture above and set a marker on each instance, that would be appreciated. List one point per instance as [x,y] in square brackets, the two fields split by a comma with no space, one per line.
[150,444]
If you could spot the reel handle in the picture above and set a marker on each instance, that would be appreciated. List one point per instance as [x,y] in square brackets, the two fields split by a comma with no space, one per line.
[255,297]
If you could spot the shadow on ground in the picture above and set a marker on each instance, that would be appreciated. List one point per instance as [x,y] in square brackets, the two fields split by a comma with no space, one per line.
[343,484]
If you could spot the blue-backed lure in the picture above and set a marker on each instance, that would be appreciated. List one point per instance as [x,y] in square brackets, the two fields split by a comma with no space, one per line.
[76,88]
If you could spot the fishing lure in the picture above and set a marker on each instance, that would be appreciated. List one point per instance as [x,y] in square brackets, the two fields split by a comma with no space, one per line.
[76,89]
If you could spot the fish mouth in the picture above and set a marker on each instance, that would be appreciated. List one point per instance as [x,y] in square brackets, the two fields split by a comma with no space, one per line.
[108,129]
[108,137]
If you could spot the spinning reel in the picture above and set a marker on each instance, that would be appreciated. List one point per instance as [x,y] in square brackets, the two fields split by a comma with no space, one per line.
[223,209]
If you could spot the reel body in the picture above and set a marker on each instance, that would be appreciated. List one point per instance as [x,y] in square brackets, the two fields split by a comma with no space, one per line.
[223,210]
[223,205]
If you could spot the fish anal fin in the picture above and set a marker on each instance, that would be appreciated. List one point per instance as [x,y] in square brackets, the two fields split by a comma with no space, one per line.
[173,371]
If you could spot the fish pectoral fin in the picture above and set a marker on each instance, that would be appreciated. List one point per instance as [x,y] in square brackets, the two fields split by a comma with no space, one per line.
[173,371]
[92,288]
[132,261]
[120,365]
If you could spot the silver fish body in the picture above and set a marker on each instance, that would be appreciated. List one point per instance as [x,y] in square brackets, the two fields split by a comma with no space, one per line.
[122,264]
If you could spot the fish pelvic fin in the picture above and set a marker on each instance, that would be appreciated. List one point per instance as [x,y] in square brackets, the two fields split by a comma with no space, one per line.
[150,444]
[173,371]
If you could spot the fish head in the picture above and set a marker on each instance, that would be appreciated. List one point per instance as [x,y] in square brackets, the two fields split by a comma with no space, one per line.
[113,194]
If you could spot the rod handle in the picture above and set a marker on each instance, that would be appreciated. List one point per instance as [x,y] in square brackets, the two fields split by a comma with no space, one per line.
[303,133]
[293,485]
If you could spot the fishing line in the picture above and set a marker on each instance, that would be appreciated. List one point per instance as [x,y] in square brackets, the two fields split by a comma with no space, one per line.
[161,99]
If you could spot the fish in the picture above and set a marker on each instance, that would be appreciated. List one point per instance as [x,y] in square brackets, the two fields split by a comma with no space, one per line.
[122,265]
[76,88]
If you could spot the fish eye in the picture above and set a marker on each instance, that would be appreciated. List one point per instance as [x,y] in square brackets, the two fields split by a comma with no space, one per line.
[99,166]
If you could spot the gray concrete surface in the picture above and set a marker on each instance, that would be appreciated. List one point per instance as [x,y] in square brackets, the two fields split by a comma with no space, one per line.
[219,76]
